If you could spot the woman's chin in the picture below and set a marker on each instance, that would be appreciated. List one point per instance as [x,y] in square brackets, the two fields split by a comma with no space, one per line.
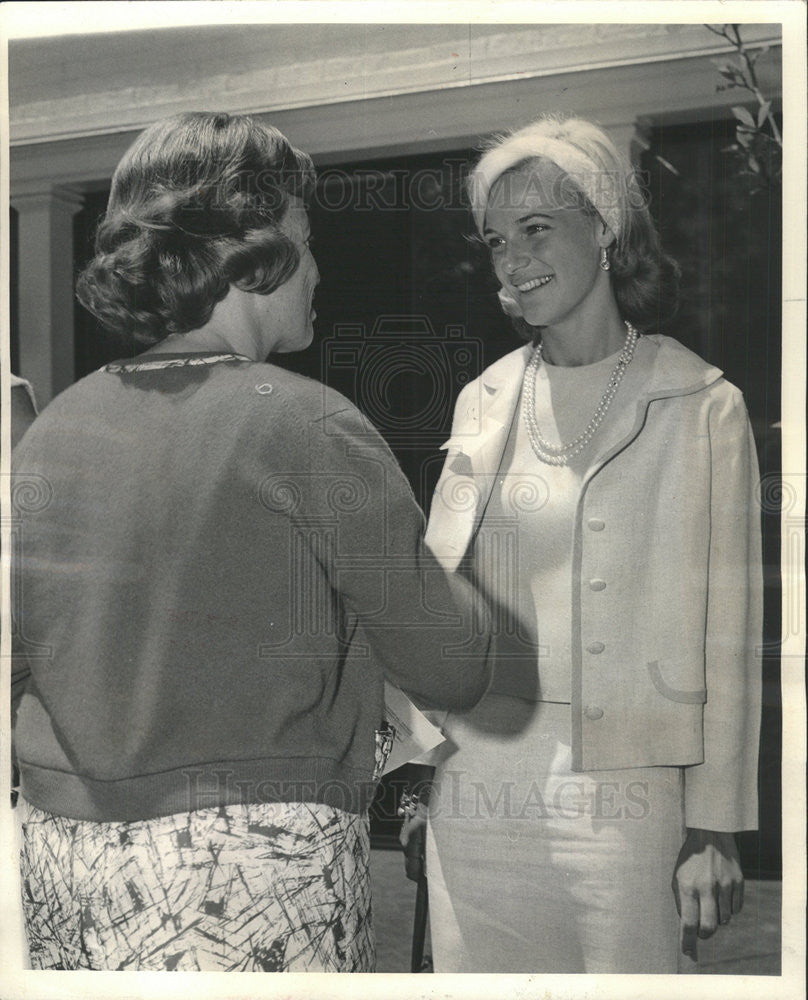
[298,344]
[536,317]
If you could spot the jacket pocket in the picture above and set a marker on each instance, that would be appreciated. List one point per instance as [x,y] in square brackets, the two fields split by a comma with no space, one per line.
[694,697]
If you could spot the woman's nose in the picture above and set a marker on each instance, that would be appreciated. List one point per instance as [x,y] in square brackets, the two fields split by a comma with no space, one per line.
[515,258]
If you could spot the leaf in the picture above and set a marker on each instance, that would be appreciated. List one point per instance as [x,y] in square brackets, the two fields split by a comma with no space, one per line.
[763,113]
[754,165]
[744,137]
[743,116]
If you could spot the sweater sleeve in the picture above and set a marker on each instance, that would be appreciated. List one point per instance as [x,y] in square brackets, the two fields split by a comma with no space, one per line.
[721,793]
[429,631]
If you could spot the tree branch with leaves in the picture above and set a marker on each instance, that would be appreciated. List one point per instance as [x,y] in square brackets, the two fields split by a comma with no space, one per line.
[758,142]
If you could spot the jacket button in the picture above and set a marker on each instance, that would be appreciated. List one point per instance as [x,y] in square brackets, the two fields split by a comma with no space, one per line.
[593,713]
[597,584]
[595,647]
[595,524]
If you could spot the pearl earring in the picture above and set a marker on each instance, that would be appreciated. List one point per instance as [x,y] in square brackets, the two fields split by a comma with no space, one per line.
[604,259]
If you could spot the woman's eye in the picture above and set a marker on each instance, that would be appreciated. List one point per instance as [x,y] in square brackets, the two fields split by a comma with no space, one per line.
[535,228]
[495,242]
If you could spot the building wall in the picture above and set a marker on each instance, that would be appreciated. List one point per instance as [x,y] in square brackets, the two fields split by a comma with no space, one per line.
[341,92]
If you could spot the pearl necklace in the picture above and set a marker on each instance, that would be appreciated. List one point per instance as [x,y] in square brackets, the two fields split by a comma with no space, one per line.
[548,453]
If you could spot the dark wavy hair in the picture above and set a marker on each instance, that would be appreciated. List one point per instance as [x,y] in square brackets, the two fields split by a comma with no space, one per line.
[195,207]
[645,280]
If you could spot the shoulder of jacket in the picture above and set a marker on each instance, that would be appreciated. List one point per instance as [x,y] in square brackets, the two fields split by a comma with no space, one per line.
[502,370]
[677,371]
[673,368]
[728,404]
[505,366]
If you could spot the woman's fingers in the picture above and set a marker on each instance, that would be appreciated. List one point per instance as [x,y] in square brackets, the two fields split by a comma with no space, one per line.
[725,894]
[689,924]
[708,912]
[707,885]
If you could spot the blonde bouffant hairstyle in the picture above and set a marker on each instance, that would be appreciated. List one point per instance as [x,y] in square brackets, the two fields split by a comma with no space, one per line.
[597,179]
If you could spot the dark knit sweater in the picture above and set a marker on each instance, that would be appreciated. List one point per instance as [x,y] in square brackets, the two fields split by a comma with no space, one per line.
[216,566]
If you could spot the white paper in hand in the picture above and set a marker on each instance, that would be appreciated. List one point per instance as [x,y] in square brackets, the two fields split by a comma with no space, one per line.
[414,733]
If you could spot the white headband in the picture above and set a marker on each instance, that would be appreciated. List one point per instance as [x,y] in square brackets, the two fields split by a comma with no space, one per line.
[599,185]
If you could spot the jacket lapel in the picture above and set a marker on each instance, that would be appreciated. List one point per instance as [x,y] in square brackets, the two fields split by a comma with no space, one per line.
[660,378]
[474,453]
[482,431]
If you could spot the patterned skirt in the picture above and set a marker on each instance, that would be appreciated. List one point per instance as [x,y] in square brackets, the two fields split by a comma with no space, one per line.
[274,887]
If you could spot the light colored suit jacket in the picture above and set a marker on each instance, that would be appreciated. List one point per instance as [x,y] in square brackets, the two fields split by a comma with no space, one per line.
[665,658]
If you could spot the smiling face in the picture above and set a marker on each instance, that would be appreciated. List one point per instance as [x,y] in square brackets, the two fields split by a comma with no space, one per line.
[546,251]
[283,320]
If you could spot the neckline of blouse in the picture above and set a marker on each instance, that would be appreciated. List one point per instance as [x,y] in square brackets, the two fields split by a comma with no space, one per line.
[171,360]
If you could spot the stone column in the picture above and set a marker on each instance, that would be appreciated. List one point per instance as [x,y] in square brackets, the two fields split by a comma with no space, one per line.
[45,248]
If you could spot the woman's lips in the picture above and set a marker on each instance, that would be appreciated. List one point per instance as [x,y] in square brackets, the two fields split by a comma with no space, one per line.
[528,286]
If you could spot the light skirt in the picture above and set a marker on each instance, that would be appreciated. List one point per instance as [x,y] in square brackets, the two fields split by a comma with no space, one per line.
[278,887]
[535,868]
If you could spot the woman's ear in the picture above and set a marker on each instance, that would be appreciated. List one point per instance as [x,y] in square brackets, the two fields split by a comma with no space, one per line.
[605,235]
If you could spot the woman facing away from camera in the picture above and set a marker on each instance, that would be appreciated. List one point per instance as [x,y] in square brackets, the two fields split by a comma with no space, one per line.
[599,489]
[225,563]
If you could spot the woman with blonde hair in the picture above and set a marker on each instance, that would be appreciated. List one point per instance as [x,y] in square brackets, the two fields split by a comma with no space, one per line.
[599,488]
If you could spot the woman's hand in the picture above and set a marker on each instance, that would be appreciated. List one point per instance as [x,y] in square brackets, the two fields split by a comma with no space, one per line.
[707,884]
